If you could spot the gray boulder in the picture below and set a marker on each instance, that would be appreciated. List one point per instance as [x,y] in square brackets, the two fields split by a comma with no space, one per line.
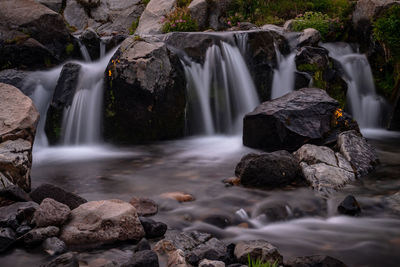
[51,212]
[213,249]
[17,214]
[38,235]
[268,170]
[100,222]
[309,37]
[146,96]
[16,78]
[150,21]
[358,152]
[368,10]
[297,118]
[257,249]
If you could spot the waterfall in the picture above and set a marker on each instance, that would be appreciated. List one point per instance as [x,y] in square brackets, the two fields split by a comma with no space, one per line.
[363,102]
[284,75]
[220,91]
[84,52]
[81,121]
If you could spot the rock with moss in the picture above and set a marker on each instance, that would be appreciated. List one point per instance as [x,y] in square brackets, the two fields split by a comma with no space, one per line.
[145,97]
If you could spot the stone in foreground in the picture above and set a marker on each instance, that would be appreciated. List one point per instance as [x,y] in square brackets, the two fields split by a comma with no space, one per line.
[257,249]
[51,212]
[316,260]
[100,222]
[288,122]
[268,170]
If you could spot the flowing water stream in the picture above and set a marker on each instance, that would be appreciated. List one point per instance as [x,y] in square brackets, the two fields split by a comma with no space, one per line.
[297,221]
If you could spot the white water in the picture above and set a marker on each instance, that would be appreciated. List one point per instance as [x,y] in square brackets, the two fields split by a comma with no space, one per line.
[364,104]
[221,91]
[284,75]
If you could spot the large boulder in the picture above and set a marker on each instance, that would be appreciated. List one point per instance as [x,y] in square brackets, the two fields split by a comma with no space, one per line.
[100,222]
[51,191]
[31,35]
[368,10]
[358,152]
[106,17]
[16,78]
[151,20]
[146,95]
[18,119]
[268,170]
[308,115]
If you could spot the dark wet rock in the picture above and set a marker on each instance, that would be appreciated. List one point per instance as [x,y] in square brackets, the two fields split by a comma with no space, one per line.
[257,249]
[302,80]
[349,206]
[51,212]
[358,152]
[144,206]
[146,98]
[54,246]
[237,265]
[32,35]
[143,245]
[145,258]
[394,120]
[51,191]
[219,220]
[12,194]
[186,240]
[91,41]
[210,263]
[65,260]
[62,99]
[54,5]
[110,258]
[315,261]
[23,229]
[273,210]
[152,228]
[102,222]
[114,40]
[288,122]
[315,56]
[7,238]
[16,78]
[17,214]
[268,170]
[213,249]
[38,235]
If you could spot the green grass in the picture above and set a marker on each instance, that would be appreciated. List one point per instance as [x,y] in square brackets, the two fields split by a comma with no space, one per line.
[259,263]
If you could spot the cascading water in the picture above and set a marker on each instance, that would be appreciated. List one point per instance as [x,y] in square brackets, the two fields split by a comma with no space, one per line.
[221,91]
[284,75]
[364,104]
[81,120]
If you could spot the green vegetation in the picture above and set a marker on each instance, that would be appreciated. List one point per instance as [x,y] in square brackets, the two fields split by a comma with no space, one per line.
[134,26]
[145,2]
[277,11]
[179,21]
[328,27]
[259,263]
[69,49]
[386,31]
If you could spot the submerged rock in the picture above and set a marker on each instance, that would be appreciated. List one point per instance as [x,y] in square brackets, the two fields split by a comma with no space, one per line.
[100,222]
[268,170]
[145,258]
[257,249]
[144,206]
[178,196]
[146,97]
[349,206]
[65,260]
[51,191]
[152,228]
[286,123]
[314,261]
[358,152]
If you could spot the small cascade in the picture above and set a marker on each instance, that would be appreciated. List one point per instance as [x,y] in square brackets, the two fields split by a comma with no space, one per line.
[220,91]
[84,52]
[284,75]
[363,102]
[43,83]
[81,120]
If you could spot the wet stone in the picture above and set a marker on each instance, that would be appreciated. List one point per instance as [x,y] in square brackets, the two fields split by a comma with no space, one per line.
[7,238]
[349,206]
[54,246]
